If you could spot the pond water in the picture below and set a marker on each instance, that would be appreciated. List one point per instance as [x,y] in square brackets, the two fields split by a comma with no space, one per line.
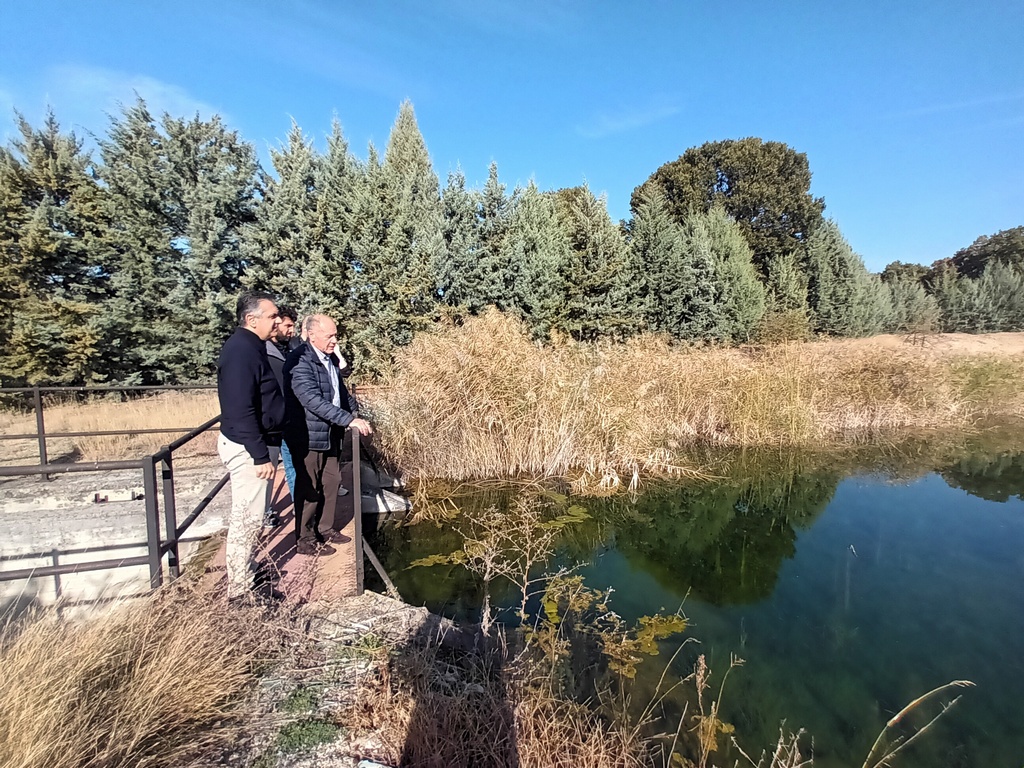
[848,592]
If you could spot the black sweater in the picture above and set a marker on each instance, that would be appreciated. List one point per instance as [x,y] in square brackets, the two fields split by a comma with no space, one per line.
[251,403]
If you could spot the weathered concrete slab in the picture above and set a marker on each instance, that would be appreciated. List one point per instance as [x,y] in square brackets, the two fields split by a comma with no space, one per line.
[59,521]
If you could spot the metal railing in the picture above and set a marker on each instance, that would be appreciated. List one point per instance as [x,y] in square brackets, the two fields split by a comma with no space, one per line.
[159,543]
[41,436]
[162,541]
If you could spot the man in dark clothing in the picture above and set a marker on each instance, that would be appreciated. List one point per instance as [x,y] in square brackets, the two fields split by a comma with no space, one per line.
[279,345]
[252,412]
[319,409]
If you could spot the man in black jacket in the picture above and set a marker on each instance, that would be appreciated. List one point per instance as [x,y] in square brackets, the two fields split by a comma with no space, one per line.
[252,412]
[319,409]
[279,345]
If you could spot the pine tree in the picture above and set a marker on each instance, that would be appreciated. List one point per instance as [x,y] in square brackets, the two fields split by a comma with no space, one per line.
[596,286]
[743,296]
[281,241]
[398,242]
[845,300]
[959,301]
[698,312]
[213,175]
[664,276]
[459,278]
[1001,298]
[181,194]
[535,249]
[914,310]
[327,282]
[136,174]
[494,215]
[55,261]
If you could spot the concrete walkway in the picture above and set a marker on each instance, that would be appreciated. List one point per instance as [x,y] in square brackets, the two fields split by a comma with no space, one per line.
[303,578]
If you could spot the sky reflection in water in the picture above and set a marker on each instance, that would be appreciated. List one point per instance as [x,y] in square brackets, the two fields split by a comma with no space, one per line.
[847,594]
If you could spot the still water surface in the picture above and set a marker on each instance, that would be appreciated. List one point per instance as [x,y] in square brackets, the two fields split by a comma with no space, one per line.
[847,593]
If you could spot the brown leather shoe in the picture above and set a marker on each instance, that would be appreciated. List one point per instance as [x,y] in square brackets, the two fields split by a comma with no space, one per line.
[314,548]
[335,537]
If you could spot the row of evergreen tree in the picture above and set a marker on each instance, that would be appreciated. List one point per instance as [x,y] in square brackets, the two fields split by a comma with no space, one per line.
[124,267]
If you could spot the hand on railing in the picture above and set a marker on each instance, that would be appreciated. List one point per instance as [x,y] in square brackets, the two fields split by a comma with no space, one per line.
[363,426]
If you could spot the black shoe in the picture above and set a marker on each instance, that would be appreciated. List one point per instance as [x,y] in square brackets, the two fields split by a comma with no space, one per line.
[305,547]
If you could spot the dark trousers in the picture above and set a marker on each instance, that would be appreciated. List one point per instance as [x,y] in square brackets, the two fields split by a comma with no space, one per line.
[317,477]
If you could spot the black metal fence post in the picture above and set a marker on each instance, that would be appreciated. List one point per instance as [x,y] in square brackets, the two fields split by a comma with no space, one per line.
[37,398]
[156,576]
[55,558]
[357,509]
[170,514]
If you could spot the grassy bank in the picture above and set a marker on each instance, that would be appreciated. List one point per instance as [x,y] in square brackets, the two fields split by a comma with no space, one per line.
[482,400]
[182,679]
[157,682]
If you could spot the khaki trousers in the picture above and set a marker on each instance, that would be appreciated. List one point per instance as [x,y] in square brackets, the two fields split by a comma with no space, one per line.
[249,499]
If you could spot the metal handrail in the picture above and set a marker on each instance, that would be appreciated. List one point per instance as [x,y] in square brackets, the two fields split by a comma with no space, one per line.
[157,546]
[41,436]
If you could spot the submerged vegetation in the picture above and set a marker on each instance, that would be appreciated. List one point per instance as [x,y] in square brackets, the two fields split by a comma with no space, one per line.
[483,400]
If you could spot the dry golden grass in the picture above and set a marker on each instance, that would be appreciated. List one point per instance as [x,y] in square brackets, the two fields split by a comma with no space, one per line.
[168,410]
[482,400]
[152,683]
[428,707]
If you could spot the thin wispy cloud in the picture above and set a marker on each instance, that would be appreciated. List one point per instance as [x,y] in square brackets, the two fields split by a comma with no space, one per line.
[79,88]
[611,124]
[957,106]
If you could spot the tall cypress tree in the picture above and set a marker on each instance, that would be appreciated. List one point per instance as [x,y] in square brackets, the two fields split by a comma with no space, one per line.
[743,296]
[597,286]
[535,249]
[399,241]
[494,215]
[327,280]
[136,173]
[213,197]
[697,310]
[844,299]
[281,240]
[913,309]
[458,274]
[665,277]
[55,262]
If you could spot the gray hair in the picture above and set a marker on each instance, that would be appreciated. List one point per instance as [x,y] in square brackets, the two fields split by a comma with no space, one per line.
[249,304]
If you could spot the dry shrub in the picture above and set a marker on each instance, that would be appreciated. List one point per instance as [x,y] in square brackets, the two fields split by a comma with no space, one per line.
[483,400]
[431,707]
[150,683]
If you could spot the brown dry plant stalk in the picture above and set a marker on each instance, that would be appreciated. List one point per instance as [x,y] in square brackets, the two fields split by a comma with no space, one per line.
[484,400]
[150,683]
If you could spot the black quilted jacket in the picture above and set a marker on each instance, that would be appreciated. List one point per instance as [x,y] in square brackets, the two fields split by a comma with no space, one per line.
[310,418]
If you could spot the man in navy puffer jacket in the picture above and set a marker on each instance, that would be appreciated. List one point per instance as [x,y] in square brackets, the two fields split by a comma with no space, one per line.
[319,409]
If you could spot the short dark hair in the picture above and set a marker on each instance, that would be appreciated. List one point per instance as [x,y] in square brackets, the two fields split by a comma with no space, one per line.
[249,303]
[284,310]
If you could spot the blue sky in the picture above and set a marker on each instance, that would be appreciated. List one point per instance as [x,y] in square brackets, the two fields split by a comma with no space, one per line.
[911,113]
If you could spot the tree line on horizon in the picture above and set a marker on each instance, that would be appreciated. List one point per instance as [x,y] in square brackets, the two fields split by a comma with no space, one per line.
[125,267]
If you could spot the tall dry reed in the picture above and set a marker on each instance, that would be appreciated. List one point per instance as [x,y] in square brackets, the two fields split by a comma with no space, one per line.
[483,400]
[152,683]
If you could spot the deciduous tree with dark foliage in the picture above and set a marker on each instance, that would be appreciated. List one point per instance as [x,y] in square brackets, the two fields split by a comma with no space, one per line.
[763,185]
